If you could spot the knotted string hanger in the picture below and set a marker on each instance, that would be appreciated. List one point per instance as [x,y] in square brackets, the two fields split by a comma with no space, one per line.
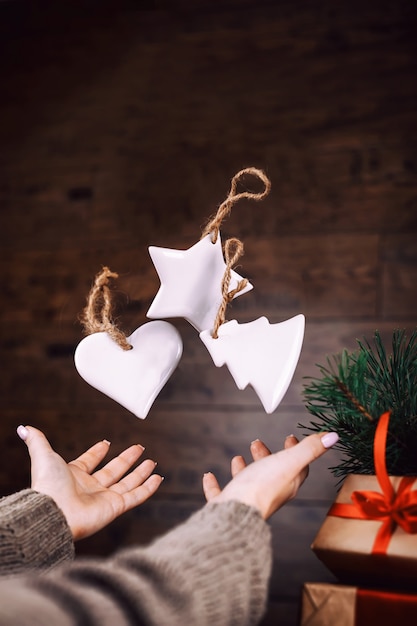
[96,317]
[233,250]
[224,209]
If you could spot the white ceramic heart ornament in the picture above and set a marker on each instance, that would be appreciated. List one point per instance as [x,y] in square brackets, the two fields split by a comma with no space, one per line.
[133,378]
[258,353]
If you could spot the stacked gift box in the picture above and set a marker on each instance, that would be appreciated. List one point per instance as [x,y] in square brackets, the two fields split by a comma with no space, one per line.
[369,542]
[345,605]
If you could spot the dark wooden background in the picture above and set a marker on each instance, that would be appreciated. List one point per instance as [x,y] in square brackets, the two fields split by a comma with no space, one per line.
[120,127]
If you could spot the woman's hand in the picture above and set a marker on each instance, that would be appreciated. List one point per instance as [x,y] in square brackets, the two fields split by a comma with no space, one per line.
[89,500]
[272,479]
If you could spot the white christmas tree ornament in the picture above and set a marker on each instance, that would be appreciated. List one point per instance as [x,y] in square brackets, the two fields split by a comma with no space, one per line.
[259,354]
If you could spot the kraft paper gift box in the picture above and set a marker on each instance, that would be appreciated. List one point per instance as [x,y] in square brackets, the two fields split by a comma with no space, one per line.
[369,536]
[347,545]
[341,605]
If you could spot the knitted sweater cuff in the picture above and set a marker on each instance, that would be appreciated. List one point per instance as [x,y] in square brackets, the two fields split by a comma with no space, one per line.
[34,533]
[213,569]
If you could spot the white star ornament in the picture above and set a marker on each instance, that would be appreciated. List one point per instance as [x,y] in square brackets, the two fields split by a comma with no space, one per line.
[258,353]
[133,378]
[191,282]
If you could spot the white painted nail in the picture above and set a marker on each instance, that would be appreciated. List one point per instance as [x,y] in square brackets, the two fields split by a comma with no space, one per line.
[23,432]
[329,439]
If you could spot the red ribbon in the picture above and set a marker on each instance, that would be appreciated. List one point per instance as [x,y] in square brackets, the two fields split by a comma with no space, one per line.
[384,607]
[389,507]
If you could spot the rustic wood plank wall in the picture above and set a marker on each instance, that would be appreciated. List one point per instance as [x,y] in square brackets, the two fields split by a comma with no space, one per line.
[121,128]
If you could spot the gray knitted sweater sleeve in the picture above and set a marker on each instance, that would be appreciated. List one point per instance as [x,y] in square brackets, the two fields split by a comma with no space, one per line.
[34,533]
[213,569]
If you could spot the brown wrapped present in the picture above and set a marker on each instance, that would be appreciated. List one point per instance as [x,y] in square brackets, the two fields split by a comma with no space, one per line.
[341,605]
[369,536]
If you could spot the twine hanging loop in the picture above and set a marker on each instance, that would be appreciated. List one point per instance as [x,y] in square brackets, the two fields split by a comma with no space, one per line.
[224,209]
[96,317]
[233,250]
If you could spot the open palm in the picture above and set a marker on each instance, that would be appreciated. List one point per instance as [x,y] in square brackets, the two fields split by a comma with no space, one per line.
[90,499]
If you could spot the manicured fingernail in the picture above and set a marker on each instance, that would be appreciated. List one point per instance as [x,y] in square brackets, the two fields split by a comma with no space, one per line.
[106,441]
[290,436]
[254,441]
[329,439]
[23,432]
[141,446]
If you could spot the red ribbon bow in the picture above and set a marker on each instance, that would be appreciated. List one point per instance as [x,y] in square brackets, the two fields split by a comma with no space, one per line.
[389,507]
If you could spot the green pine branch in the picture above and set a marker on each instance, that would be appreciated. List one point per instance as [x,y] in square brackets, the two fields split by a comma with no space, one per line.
[354,389]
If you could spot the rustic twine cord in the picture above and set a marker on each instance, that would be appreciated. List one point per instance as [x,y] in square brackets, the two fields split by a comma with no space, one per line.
[344,389]
[233,250]
[96,316]
[224,209]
